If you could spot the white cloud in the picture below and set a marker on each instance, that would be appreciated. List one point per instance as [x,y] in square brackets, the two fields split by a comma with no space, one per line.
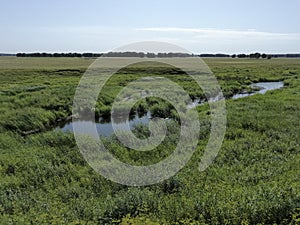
[222,32]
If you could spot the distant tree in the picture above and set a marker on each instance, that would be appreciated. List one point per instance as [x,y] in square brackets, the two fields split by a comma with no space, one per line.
[207,55]
[161,55]
[150,55]
[21,55]
[264,56]
[242,56]
[255,55]
[233,56]
[293,55]
[222,55]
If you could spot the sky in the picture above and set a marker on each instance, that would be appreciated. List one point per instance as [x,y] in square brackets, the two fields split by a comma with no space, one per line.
[210,26]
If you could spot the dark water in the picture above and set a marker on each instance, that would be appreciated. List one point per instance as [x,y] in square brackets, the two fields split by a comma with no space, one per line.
[104,126]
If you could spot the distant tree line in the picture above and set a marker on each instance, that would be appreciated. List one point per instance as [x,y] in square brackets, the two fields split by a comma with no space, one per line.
[156,55]
[252,55]
[7,54]
[214,55]
[109,54]
[289,55]
[38,54]
[256,55]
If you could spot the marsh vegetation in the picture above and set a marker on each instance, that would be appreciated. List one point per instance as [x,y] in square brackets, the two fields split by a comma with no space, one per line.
[45,180]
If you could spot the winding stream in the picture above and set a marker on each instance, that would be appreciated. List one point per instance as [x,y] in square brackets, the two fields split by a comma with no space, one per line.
[104,126]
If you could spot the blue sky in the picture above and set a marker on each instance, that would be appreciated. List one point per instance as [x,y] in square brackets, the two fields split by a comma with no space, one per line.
[211,26]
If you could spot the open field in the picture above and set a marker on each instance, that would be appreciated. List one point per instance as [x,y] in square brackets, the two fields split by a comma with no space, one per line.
[44,179]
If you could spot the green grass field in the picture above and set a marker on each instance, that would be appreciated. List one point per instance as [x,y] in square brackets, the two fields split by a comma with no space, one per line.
[45,180]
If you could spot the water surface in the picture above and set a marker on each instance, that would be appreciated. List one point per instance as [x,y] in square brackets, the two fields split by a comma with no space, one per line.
[104,126]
